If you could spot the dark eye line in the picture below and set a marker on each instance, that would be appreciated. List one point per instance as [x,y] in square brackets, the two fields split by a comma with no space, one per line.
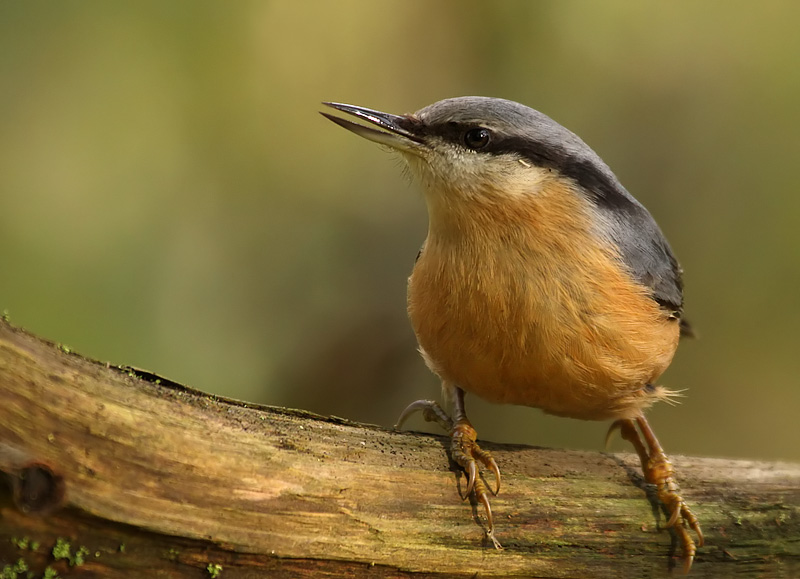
[456,132]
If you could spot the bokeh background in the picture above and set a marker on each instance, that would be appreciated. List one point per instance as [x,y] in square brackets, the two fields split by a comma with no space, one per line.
[170,198]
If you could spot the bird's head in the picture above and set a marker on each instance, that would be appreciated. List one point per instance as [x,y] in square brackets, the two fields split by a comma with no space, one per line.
[482,149]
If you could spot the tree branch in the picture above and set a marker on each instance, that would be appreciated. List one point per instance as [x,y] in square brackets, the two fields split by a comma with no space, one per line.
[156,479]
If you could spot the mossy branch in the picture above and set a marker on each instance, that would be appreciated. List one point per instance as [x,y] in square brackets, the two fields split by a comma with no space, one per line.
[114,472]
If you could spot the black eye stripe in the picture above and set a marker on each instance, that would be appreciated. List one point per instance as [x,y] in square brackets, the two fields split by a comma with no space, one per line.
[456,132]
[599,183]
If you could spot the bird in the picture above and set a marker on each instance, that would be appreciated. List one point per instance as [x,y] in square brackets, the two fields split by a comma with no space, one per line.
[542,282]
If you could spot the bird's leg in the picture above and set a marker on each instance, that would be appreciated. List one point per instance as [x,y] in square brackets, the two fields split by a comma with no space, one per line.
[658,471]
[463,448]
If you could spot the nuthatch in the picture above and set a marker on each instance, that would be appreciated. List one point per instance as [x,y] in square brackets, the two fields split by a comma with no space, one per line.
[542,281]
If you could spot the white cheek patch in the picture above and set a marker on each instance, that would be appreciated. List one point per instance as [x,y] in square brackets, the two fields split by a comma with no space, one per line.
[468,174]
[513,177]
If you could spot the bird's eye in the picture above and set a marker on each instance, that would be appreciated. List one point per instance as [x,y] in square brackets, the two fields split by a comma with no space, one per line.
[477,138]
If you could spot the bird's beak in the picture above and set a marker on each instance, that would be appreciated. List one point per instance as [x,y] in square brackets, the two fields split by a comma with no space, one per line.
[397,131]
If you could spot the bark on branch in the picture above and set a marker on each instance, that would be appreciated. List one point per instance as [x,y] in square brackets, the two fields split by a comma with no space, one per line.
[156,479]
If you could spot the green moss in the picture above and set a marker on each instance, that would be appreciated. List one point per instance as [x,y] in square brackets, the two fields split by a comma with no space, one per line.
[12,571]
[50,573]
[25,543]
[22,543]
[214,570]
[61,550]
[80,557]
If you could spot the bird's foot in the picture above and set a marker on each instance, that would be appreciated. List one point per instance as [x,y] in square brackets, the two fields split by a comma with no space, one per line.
[466,452]
[681,517]
[658,471]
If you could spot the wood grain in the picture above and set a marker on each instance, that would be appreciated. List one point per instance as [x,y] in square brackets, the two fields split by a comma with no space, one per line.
[156,479]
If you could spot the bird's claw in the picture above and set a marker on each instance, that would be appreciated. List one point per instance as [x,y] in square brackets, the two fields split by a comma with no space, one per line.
[466,452]
[431,412]
[681,518]
[658,471]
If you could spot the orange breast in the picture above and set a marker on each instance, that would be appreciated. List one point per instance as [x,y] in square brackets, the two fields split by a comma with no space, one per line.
[524,303]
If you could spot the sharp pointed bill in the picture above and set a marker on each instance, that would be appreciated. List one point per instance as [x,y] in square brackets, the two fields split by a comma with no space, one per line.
[395,133]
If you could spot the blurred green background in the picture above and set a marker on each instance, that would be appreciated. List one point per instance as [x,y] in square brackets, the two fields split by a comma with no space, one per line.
[170,198]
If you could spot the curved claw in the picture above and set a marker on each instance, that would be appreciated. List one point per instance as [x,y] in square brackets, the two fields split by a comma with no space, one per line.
[411,409]
[472,476]
[431,412]
[488,461]
[690,518]
[701,540]
[488,510]
[681,520]
[496,470]
[673,518]
[480,493]
[687,564]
